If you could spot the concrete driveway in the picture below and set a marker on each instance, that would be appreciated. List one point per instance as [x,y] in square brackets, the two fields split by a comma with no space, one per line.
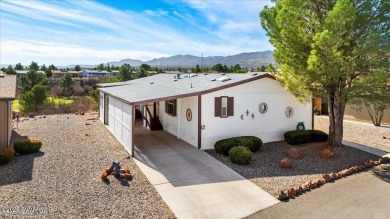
[361,195]
[192,183]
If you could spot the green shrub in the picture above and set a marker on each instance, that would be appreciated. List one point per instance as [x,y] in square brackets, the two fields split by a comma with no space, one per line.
[6,155]
[240,155]
[27,146]
[304,136]
[251,142]
[297,137]
[318,136]
[223,146]
[255,144]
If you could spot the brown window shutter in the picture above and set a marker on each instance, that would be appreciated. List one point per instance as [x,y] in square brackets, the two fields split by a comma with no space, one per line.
[217,107]
[230,106]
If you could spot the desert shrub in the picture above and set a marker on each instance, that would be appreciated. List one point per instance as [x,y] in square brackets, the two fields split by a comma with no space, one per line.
[305,136]
[6,155]
[27,146]
[240,155]
[255,143]
[251,142]
[94,94]
[297,137]
[223,146]
[318,136]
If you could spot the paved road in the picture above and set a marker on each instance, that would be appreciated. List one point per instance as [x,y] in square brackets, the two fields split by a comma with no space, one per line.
[362,195]
[194,184]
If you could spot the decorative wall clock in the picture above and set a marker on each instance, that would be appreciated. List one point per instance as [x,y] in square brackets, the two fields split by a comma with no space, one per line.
[263,107]
[189,115]
[289,112]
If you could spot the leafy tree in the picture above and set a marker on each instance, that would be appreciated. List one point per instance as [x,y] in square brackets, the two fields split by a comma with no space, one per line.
[19,66]
[112,80]
[43,67]
[30,79]
[77,68]
[10,70]
[197,69]
[33,99]
[66,83]
[33,66]
[125,73]
[262,68]
[336,47]
[100,67]
[218,67]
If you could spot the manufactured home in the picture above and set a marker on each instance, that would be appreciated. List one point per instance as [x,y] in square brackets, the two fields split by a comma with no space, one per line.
[201,108]
[7,95]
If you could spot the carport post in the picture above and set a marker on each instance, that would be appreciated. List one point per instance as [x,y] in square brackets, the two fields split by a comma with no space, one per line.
[132,129]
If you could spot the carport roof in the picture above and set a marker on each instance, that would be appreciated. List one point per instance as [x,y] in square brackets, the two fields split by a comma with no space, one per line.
[7,87]
[166,86]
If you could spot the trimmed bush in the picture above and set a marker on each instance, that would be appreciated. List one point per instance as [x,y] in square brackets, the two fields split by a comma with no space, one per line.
[297,137]
[27,146]
[318,136]
[6,155]
[223,146]
[240,155]
[251,142]
[304,136]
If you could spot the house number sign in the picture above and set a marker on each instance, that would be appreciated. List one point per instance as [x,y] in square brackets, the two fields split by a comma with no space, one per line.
[189,115]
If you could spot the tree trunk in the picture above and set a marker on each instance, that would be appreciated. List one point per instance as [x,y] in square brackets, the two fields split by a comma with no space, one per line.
[336,108]
[329,95]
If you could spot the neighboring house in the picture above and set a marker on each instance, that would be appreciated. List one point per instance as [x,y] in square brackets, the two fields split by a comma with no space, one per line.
[202,108]
[7,95]
[22,72]
[96,73]
[59,74]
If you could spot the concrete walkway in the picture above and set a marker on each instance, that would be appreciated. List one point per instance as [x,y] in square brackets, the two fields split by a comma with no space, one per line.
[192,183]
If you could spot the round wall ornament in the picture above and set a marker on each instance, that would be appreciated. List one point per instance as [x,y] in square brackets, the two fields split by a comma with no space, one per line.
[289,112]
[263,108]
[189,115]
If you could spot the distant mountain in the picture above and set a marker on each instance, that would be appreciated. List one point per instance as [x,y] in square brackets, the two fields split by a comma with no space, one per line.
[248,60]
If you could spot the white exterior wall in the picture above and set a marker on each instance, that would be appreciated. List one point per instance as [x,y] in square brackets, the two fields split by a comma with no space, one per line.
[178,125]
[120,122]
[101,106]
[269,126]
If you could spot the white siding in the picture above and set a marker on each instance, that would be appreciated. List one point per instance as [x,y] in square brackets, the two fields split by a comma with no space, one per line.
[189,129]
[269,126]
[169,123]
[101,106]
[120,122]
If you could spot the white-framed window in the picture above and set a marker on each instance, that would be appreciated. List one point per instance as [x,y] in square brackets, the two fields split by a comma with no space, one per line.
[224,107]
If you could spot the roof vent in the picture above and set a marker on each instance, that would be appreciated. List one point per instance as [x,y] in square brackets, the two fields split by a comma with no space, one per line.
[205,74]
[175,80]
[151,82]
[223,79]
[214,80]
[253,74]
[178,76]
[223,74]
[186,76]
[193,75]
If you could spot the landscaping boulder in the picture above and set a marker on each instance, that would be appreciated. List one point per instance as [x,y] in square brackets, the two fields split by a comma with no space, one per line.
[327,177]
[327,154]
[281,195]
[285,163]
[295,153]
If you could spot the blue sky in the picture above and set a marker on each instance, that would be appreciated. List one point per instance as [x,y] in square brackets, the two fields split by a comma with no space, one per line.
[91,32]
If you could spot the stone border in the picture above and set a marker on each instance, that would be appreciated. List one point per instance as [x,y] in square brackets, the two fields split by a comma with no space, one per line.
[298,190]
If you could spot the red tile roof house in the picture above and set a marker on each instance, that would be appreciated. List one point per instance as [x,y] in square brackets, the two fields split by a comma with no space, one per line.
[202,108]
[7,95]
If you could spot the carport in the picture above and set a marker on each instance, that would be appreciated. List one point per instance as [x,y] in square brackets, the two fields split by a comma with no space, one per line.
[191,182]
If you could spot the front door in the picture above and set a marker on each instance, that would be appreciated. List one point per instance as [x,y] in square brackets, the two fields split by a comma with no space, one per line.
[106,109]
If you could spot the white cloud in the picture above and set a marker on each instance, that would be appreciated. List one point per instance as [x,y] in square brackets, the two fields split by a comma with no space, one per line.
[159,12]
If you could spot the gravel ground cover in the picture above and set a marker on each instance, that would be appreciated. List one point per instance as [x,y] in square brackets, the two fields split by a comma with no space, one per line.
[63,180]
[264,170]
[358,132]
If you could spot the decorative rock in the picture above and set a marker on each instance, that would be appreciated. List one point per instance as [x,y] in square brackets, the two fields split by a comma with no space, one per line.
[103,176]
[291,192]
[285,163]
[110,170]
[295,153]
[81,113]
[298,190]
[306,186]
[321,181]
[327,154]
[327,177]
[344,173]
[281,195]
[333,176]
[127,170]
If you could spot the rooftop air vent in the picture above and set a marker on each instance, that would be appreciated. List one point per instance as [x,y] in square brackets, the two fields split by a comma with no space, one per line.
[175,80]
[193,75]
[253,74]
[205,74]
[214,80]
[223,79]
[223,74]
[151,82]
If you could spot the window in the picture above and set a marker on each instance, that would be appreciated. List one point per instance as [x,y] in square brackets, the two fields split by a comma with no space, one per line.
[224,106]
[170,107]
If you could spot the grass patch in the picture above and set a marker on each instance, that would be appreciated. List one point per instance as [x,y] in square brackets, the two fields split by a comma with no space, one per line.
[57,101]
